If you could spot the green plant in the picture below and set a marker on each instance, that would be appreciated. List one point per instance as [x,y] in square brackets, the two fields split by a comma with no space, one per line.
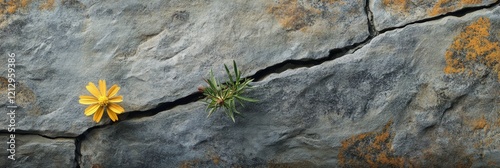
[225,95]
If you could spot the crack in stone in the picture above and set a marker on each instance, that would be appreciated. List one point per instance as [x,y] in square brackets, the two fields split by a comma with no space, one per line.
[458,13]
[307,63]
[80,138]
[37,134]
[273,69]
[371,26]
[194,97]
[3,132]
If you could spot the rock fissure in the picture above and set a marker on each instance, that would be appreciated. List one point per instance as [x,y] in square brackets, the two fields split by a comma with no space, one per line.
[82,137]
[458,13]
[78,154]
[36,134]
[194,97]
[371,26]
[308,63]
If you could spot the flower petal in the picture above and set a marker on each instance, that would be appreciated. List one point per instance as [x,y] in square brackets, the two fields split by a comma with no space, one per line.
[91,109]
[113,90]
[116,99]
[102,87]
[115,108]
[88,100]
[98,114]
[112,115]
[93,89]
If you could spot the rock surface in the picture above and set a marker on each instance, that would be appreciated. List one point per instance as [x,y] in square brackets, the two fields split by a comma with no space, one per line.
[157,51]
[388,104]
[37,151]
[395,13]
[420,95]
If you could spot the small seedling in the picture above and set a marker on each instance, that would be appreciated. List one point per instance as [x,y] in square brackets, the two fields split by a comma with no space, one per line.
[225,95]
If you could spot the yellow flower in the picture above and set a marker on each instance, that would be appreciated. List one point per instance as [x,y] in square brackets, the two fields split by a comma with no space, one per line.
[101,100]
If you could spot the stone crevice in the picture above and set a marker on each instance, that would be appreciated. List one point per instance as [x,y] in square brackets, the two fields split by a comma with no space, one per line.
[82,137]
[371,26]
[458,13]
[20,132]
[275,69]
[307,63]
[30,133]
[194,97]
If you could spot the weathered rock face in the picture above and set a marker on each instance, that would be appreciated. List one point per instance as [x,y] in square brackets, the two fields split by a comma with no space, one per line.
[157,51]
[37,151]
[422,95]
[388,104]
[395,13]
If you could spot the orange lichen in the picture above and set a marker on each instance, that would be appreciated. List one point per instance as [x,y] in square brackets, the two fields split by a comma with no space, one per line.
[216,159]
[481,123]
[292,15]
[472,47]
[189,163]
[398,5]
[11,9]
[49,4]
[438,6]
[372,149]
[12,6]
[472,1]
[328,1]
[25,3]
[443,6]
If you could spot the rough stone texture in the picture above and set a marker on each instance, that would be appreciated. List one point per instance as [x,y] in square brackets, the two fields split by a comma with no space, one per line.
[157,51]
[395,13]
[424,95]
[389,104]
[37,151]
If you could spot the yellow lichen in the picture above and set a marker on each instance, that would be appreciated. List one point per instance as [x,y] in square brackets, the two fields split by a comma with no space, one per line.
[372,149]
[481,123]
[444,6]
[438,6]
[49,4]
[398,5]
[472,47]
[216,159]
[328,1]
[11,9]
[12,6]
[293,15]
[189,164]
[25,3]
[290,14]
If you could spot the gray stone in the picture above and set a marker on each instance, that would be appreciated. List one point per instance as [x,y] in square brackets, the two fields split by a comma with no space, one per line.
[37,151]
[389,104]
[396,13]
[157,51]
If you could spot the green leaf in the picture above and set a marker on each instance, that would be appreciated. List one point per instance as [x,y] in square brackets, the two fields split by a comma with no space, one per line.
[232,116]
[212,82]
[229,74]
[236,72]
[211,111]
[246,98]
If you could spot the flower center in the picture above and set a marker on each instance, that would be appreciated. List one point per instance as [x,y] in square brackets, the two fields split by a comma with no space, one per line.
[103,101]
